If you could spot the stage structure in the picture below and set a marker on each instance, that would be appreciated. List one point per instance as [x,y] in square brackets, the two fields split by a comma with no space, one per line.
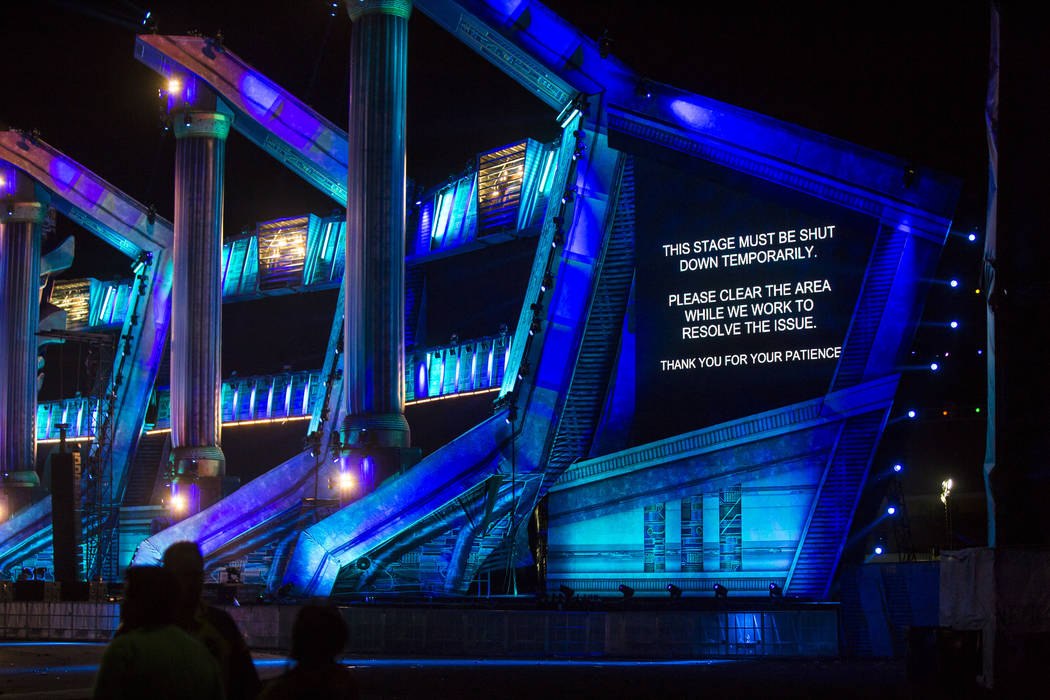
[706,356]
[783,469]
[145,238]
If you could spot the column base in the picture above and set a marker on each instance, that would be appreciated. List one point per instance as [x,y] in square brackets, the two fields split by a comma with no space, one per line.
[369,430]
[206,460]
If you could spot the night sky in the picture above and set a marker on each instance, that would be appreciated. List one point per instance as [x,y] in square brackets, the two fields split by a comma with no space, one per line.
[908,79]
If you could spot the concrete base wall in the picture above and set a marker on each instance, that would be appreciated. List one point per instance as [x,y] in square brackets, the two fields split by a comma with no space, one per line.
[461,632]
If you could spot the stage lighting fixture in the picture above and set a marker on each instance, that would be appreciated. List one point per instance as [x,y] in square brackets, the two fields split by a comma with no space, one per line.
[897,467]
[892,510]
[878,549]
[954,283]
[535,326]
[174,87]
[954,324]
[972,237]
[178,503]
[721,592]
[363,563]
[626,590]
[674,590]
[547,283]
[566,591]
[934,366]
[775,591]
[912,413]
[346,481]
[188,120]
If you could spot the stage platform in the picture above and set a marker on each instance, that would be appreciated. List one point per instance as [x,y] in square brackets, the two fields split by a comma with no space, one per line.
[627,629]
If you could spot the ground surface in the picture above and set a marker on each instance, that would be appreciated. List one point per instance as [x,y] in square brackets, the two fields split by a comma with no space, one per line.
[65,671]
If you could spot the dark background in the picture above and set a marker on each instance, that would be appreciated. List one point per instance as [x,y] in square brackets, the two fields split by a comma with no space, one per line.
[905,78]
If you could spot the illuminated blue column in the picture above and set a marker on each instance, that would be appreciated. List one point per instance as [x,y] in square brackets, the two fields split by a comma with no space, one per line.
[374,325]
[654,552]
[22,212]
[196,382]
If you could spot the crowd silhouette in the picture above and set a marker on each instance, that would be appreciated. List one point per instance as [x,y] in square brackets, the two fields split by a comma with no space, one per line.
[171,644]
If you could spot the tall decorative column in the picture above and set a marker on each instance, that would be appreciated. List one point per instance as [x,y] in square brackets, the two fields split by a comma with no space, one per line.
[196,339]
[374,327]
[22,211]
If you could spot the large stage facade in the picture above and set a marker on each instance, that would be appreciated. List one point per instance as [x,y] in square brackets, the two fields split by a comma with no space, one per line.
[714,313]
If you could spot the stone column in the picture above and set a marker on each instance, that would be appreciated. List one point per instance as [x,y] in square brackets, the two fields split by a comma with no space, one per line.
[22,212]
[196,339]
[374,327]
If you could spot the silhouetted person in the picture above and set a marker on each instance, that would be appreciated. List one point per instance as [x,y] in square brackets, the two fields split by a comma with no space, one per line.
[211,626]
[318,637]
[150,656]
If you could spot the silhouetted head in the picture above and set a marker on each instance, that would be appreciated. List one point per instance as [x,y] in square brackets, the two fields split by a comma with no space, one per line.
[184,561]
[150,595]
[319,634]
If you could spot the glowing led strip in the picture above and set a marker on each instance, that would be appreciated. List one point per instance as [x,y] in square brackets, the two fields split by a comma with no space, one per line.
[262,421]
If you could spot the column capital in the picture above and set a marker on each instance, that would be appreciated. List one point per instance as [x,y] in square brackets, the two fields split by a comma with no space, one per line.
[191,123]
[23,212]
[360,8]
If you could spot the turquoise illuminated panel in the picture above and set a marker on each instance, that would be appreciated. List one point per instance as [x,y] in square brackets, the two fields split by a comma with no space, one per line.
[81,414]
[475,365]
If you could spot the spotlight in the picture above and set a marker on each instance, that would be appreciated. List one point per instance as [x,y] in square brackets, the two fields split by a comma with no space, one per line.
[626,590]
[912,413]
[674,590]
[892,510]
[547,283]
[721,592]
[954,324]
[972,237]
[188,121]
[178,503]
[512,415]
[174,87]
[346,481]
[934,366]
[535,326]
[878,549]
[566,591]
[898,467]
[775,591]
[569,195]
[559,239]
[954,283]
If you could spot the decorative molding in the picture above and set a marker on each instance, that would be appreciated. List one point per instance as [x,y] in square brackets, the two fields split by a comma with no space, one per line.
[195,124]
[512,61]
[893,212]
[359,8]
